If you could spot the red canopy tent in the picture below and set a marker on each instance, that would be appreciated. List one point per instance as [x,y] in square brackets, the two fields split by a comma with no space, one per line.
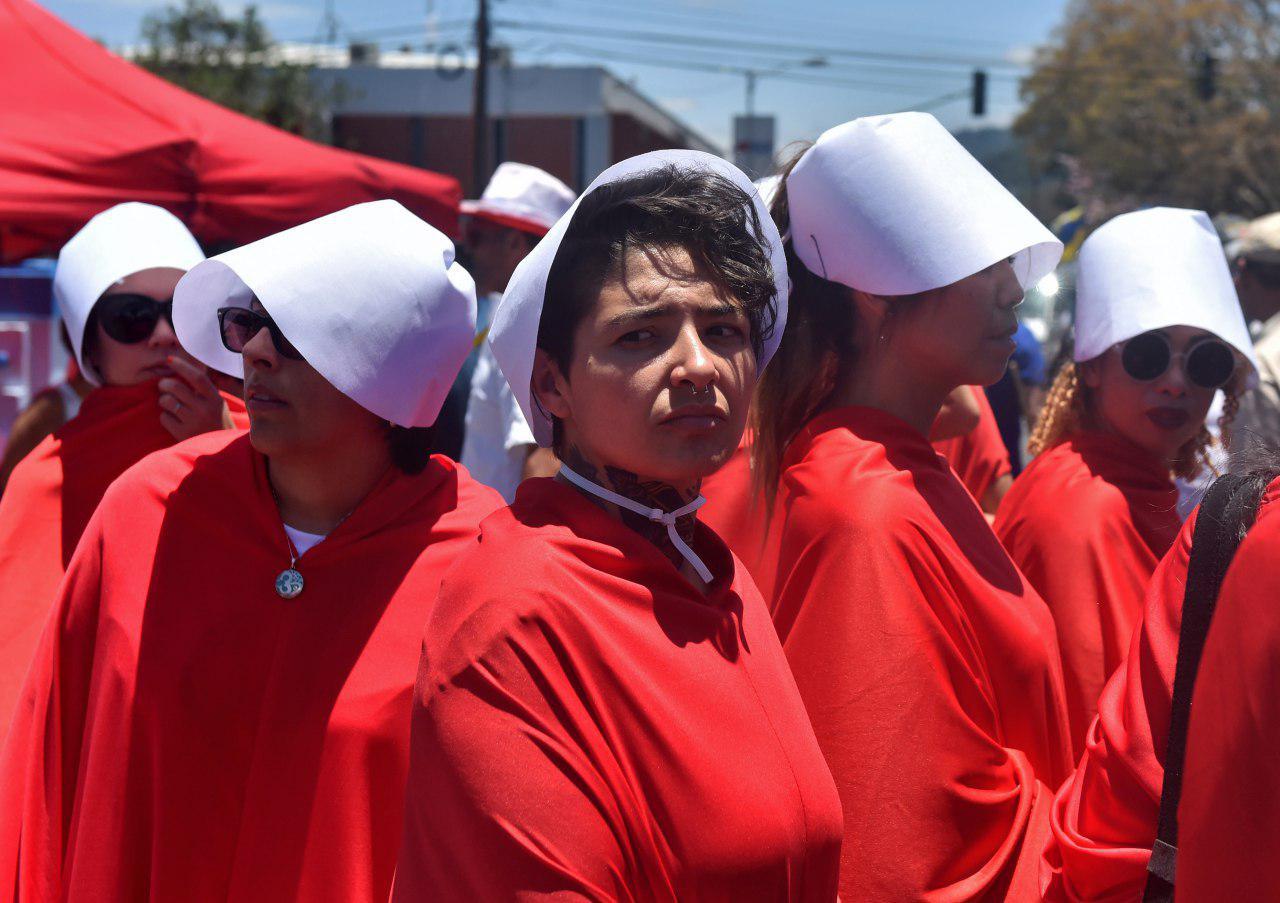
[82,129]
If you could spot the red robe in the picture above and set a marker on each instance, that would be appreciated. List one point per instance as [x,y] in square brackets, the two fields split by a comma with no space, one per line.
[732,510]
[589,724]
[928,665]
[979,457]
[1229,819]
[48,502]
[1104,817]
[1087,522]
[187,734]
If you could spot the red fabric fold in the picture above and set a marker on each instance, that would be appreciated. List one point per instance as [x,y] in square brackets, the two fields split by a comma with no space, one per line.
[590,724]
[185,733]
[1104,817]
[1087,522]
[1229,819]
[48,501]
[927,663]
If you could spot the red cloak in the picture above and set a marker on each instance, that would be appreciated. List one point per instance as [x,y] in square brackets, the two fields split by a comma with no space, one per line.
[1104,817]
[1229,819]
[928,664]
[184,732]
[732,510]
[589,724]
[1087,522]
[979,457]
[48,502]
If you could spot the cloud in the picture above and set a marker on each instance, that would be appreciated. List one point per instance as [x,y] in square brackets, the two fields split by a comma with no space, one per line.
[1021,54]
[677,104]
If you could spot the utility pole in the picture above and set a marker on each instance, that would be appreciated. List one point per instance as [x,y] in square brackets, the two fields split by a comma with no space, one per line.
[330,23]
[751,91]
[480,104]
[979,92]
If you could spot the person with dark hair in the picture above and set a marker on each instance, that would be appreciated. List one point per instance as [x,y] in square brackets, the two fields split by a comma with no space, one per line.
[1256,270]
[519,206]
[928,664]
[603,710]
[219,707]
[113,285]
[1093,514]
[1120,799]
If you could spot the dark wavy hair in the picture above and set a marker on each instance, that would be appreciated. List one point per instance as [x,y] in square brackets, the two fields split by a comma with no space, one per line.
[699,211]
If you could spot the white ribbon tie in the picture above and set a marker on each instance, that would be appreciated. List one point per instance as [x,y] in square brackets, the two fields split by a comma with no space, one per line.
[657,515]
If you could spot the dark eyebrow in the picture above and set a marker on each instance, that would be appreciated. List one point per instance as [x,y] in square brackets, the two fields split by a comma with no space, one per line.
[654,311]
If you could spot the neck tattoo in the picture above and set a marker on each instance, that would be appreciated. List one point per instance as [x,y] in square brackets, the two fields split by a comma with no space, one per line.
[650,493]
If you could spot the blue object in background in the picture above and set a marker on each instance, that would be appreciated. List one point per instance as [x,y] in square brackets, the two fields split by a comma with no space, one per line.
[1028,360]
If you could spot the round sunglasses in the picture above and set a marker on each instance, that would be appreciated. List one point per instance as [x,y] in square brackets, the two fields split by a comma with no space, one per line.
[1208,363]
[238,326]
[130,318]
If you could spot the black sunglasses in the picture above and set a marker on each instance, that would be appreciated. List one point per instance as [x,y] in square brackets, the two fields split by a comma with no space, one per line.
[238,326]
[130,318]
[1208,364]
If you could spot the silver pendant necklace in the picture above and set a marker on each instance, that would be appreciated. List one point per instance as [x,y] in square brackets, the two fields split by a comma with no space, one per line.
[289,583]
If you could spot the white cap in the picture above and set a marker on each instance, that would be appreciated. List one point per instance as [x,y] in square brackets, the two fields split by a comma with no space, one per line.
[522,197]
[514,333]
[1258,238]
[118,242]
[1153,269]
[894,205]
[370,296]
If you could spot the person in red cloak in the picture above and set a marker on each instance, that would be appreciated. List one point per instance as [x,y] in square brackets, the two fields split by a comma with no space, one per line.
[218,708]
[603,709]
[1228,820]
[1093,514]
[1105,816]
[735,511]
[978,455]
[928,664]
[114,284]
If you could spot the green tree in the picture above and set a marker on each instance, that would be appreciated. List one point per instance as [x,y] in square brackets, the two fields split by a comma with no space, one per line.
[233,62]
[1123,95]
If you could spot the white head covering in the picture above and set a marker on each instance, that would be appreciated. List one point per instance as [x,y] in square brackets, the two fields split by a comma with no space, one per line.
[118,242]
[370,296]
[514,333]
[523,197]
[768,188]
[1152,269]
[893,205]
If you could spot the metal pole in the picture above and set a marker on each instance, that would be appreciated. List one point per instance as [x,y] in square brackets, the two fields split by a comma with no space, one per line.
[751,92]
[480,104]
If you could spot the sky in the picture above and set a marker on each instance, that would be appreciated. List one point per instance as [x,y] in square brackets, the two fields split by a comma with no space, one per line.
[821,62]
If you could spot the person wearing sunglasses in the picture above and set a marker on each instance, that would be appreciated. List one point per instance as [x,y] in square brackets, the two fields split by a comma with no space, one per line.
[113,285]
[603,711]
[1158,332]
[220,706]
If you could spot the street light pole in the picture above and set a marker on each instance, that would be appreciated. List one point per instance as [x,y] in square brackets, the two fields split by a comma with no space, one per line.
[480,104]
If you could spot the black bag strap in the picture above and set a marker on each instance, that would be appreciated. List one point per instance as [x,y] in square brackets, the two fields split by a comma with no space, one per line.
[1225,515]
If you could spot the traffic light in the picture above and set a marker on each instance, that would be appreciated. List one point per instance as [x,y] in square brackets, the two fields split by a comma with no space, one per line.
[979,92]
[1206,75]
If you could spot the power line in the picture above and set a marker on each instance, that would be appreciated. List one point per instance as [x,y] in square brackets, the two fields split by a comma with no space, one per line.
[753,22]
[765,46]
[725,69]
